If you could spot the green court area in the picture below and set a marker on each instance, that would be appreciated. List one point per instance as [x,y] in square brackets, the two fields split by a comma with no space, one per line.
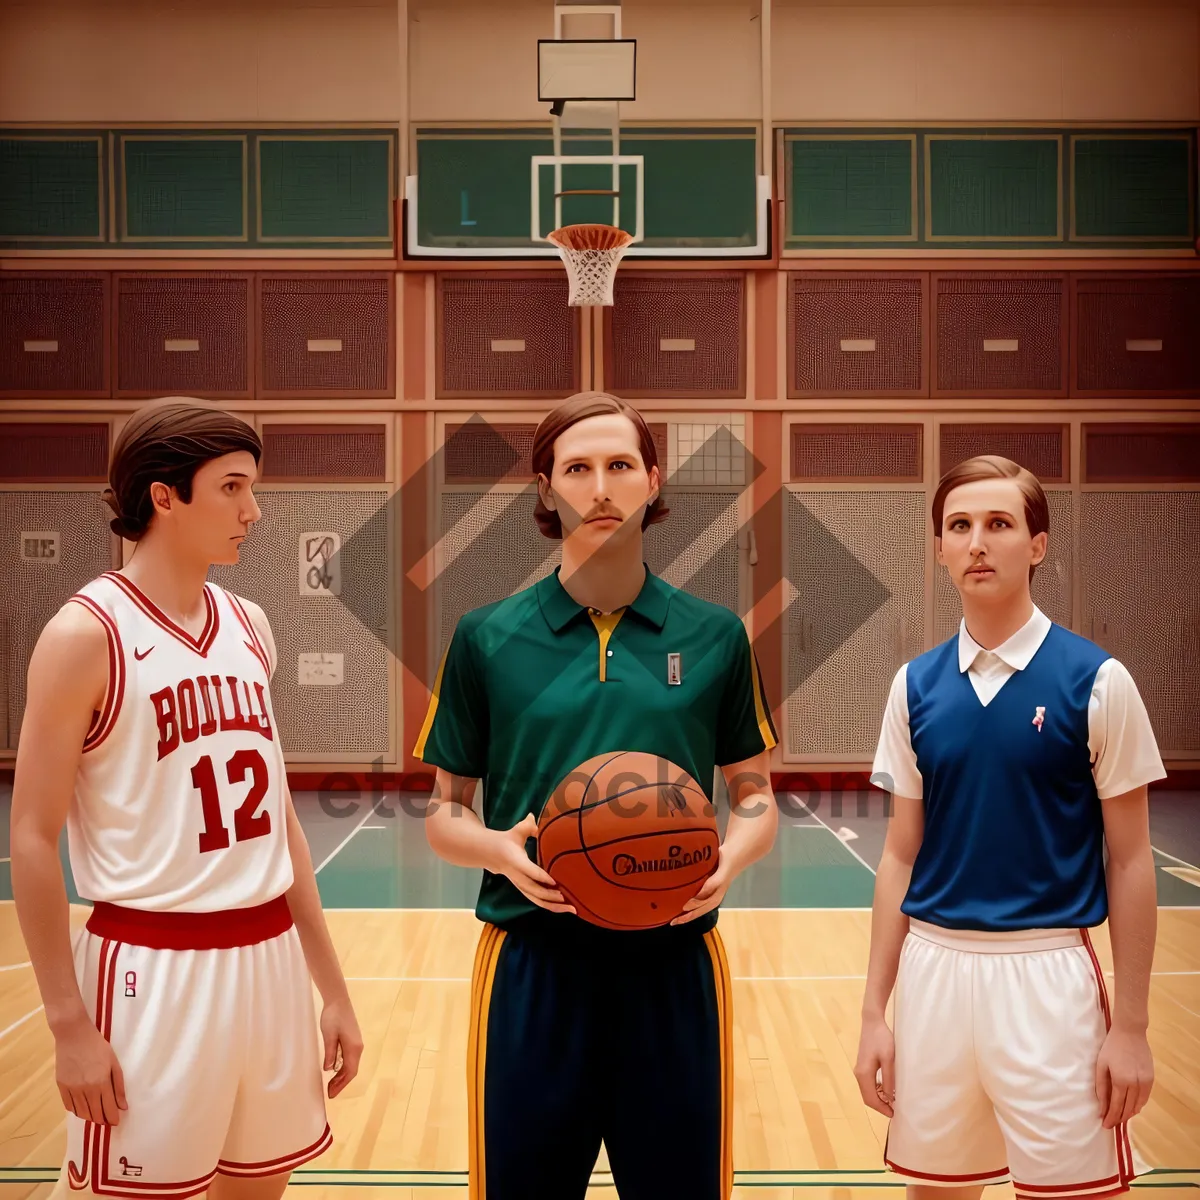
[374,855]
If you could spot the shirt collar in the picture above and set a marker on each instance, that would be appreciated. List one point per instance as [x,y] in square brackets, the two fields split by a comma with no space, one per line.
[560,608]
[1016,652]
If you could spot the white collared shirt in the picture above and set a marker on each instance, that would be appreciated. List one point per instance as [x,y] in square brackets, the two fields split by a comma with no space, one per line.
[1121,742]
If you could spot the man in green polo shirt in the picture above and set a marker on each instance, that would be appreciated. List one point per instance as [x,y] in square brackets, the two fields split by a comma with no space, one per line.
[581,1034]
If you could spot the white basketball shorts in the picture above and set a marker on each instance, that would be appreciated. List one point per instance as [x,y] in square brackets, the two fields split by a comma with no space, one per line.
[997,1037]
[219,1048]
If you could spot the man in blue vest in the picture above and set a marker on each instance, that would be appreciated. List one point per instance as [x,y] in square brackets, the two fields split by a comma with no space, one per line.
[1017,751]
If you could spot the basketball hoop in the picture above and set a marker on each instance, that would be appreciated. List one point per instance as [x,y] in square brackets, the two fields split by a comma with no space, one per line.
[591,254]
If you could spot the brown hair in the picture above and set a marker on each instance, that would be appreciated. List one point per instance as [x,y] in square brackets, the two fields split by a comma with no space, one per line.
[168,442]
[994,466]
[570,412]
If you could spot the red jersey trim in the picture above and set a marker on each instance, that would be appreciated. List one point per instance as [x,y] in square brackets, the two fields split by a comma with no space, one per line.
[259,650]
[212,623]
[1052,1189]
[114,692]
[978,1177]
[276,1166]
[224,930]
[1068,1193]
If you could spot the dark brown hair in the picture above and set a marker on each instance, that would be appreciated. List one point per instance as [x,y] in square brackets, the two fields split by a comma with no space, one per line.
[993,466]
[168,442]
[570,412]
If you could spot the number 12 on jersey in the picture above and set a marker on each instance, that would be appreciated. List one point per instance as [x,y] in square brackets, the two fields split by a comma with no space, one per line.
[247,823]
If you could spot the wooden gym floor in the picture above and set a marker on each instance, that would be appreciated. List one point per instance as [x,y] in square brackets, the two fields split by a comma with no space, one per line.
[797,931]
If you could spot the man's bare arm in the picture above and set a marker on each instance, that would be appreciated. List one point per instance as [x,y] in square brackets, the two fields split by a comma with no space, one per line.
[68,674]
[456,834]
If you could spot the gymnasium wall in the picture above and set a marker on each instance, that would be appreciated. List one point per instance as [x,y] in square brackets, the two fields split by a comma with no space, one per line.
[205,61]
[1091,62]
[309,60]
[206,199]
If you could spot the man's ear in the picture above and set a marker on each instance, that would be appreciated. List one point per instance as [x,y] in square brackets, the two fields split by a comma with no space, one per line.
[160,497]
[655,485]
[937,548]
[544,491]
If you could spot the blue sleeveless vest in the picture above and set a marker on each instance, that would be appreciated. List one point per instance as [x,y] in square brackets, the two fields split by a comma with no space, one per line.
[1014,833]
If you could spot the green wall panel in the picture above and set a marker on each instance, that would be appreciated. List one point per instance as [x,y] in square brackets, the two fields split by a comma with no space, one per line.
[1133,188]
[52,188]
[333,189]
[474,186]
[1004,188]
[990,187]
[184,189]
[852,187]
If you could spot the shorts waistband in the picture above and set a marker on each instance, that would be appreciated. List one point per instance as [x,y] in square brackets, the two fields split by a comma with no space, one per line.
[983,941]
[225,930]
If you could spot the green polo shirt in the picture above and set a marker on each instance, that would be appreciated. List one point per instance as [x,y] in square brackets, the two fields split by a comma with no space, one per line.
[534,685]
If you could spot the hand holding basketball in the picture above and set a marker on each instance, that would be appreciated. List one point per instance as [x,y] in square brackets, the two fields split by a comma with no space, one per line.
[526,876]
[711,893]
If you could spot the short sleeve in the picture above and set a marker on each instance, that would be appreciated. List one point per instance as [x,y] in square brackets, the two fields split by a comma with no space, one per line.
[744,725]
[1121,739]
[454,735]
[895,766]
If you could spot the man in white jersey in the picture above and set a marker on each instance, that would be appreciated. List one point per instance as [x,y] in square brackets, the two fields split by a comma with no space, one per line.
[1017,752]
[186,1043]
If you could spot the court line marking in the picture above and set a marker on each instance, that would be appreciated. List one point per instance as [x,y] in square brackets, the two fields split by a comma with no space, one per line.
[345,841]
[736,978]
[20,1021]
[727,909]
[15,966]
[846,844]
[1181,861]
[1190,1011]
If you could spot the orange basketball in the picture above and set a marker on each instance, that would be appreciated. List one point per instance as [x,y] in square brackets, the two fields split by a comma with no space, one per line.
[629,838]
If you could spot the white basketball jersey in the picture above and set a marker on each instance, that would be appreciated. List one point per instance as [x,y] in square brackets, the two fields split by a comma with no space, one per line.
[180,795]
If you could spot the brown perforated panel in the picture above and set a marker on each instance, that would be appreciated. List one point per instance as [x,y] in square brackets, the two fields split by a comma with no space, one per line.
[63,452]
[326,335]
[54,335]
[1135,605]
[676,334]
[504,336]
[85,550]
[353,718]
[1051,587]
[884,453]
[695,548]
[1041,449]
[490,548]
[837,686]
[207,319]
[859,335]
[1142,452]
[488,453]
[1113,312]
[1000,334]
[334,453]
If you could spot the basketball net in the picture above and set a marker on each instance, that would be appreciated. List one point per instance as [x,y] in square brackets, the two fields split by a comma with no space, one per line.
[591,254]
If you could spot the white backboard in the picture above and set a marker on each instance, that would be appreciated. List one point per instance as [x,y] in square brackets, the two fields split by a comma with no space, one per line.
[587,70]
